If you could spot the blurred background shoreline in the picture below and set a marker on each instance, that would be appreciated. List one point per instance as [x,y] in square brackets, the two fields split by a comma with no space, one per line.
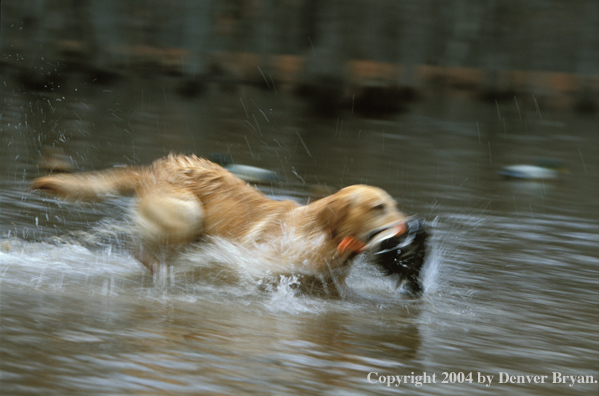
[373,57]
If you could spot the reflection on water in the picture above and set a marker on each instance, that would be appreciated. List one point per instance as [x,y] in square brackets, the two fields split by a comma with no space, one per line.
[512,283]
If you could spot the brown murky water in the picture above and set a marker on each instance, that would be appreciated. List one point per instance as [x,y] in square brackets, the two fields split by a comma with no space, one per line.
[512,280]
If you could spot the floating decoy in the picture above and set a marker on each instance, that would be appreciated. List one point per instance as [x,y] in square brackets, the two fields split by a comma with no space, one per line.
[250,174]
[545,169]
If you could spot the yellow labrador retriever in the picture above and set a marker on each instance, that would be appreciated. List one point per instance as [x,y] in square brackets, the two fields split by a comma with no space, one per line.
[182,198]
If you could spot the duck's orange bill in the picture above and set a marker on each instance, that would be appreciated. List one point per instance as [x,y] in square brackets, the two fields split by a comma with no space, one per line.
[400,228]
[354,245]
[350,244]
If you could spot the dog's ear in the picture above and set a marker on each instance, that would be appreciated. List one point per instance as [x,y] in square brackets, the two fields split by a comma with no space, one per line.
[331,216]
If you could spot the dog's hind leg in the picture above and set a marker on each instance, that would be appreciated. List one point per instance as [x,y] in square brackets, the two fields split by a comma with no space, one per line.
[165,219]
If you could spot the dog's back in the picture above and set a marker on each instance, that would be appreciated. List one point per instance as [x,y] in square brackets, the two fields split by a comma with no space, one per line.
[177,199]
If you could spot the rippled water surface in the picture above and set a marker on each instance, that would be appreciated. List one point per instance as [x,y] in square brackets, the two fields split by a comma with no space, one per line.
[512,280]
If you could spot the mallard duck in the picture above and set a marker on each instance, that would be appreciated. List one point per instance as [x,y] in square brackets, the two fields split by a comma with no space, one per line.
[545,169]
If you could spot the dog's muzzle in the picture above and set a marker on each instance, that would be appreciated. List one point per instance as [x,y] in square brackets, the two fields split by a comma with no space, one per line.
[403,255]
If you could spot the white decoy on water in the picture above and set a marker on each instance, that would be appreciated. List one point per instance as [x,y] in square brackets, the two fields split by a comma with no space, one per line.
[250,174]
[270,182]
[542,170]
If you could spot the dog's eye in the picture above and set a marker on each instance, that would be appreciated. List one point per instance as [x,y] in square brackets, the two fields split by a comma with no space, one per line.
[379,207]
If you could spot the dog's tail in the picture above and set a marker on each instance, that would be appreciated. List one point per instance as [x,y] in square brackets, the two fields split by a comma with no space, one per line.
[91,186]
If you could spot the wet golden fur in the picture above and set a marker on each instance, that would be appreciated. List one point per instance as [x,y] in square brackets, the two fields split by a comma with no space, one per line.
[180,199]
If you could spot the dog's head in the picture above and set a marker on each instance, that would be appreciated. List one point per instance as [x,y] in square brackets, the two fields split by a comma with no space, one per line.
[363,218]
[359,218]
[360,212]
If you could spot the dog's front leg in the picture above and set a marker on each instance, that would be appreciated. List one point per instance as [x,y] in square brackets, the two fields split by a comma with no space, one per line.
[151,263]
